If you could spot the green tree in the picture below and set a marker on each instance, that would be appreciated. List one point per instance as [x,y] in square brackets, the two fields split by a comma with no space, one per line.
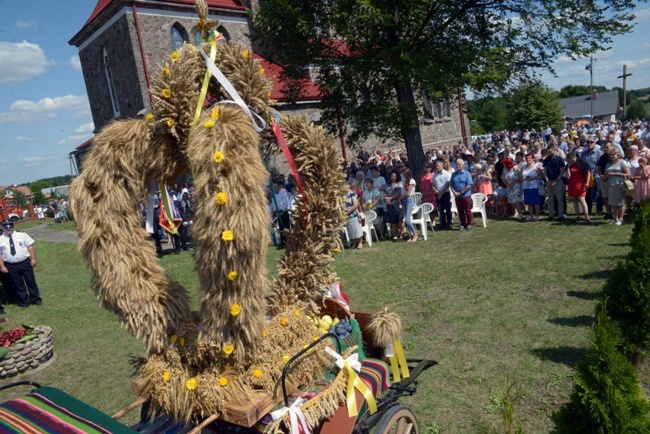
[533,105]
[572,90]
[19,197]
[36,188]
[375,60]
[492,114]
[636,110]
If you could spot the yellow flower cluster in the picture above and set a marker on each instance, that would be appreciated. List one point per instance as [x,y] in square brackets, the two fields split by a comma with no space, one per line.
[209,124]
[223,381]
[166,93]
[149,117]
[284,321]
[182,342]
[232,276]
[215,113]
[218,157]
[228,349]
[285,359]
[246,53]
[170,122]
[191,384]
[227,235]
[262,71]
[296,312]
[175,56]
[165,72]
[257,373]
[221,198]
[173,338]
[235,309]
[167,376]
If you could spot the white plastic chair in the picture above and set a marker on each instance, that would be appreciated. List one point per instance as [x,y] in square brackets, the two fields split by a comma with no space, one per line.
[367,228]
[454,209]
[417,199]
[478,206]
[346,237]
[424,220]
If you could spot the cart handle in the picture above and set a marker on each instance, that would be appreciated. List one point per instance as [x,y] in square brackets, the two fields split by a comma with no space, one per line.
[300,353]
[422,365]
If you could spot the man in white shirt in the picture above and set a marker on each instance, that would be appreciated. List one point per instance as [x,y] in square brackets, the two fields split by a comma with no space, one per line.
[441,188]
[18,259]
[281,204]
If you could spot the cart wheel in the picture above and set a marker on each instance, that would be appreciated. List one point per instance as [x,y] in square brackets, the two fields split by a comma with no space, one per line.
[397,420]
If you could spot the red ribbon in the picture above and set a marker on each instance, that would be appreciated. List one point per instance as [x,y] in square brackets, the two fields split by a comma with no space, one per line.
[292,164]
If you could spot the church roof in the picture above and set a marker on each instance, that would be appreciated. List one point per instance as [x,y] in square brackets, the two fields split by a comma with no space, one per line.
[224,4]
[273,70]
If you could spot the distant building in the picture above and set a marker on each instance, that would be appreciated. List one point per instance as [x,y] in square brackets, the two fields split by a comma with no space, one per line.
[123,41]
[8,192]
[606,106]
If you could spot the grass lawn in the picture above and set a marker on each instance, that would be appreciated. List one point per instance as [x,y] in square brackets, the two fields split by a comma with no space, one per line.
[513,300]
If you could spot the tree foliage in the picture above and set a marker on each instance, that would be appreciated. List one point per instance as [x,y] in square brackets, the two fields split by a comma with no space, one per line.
[533,105]
[374,60]
[572,90]
[636,110]
[19,197]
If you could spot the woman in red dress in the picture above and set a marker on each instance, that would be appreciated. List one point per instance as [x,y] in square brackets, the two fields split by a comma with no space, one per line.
[426,188]
[577,186]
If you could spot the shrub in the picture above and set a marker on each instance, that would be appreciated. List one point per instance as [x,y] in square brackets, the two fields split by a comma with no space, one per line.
[628,289]
[607,397]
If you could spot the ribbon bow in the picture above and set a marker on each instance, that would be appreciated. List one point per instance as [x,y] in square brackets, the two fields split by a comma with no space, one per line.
[351,366]
[295,416]
[397,359]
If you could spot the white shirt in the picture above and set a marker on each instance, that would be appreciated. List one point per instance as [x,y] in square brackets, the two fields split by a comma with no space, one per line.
[439,181]
[282,199]
[21,242]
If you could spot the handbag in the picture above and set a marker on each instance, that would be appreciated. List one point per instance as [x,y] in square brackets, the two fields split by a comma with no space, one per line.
[628,185]
[541,188]
[362,218]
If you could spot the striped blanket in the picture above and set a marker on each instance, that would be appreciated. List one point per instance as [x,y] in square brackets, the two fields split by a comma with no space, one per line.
[49,410]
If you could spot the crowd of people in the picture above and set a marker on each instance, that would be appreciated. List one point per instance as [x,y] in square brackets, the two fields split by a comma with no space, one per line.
[521,173]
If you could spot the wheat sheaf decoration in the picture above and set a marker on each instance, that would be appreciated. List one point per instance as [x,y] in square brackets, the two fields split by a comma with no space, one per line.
[237,343]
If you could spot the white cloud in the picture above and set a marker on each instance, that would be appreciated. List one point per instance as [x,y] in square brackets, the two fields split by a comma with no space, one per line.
[76,139]
[26,139]
[86,128]
[75,62]
[20,61]
[24,24]
[26,111]
[32,161]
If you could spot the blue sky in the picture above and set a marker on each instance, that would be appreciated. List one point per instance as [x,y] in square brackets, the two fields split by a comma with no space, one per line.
[44,111]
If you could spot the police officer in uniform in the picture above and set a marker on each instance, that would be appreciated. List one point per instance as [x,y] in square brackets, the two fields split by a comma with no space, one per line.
[18,260]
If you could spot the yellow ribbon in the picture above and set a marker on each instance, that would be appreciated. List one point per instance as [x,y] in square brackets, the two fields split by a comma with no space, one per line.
[397,359]
[351,366]
[206,79]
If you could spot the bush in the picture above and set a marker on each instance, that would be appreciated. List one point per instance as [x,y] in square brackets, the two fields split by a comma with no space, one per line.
[628,289]
[607,396]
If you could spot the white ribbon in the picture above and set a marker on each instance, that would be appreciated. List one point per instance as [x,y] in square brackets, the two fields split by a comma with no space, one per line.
[390,351]
[232,92]
[149,223]
[352,361]
[295,416]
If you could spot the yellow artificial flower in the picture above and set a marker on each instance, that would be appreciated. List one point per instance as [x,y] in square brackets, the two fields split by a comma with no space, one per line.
[264,333]
[218,157]
[223,381]
[285,359]
[235,309]
[337,250]
[296,312]
[257,373]
[208,124]
[182,342]
[305,348]
[284,321]
[221,198]
[170,122]
[246,54]
[167,376]
[191,384]
[215,113]
[173,338]
[165,72]
[149,117]
[232,276]
[315,338]
[227,235]
[269,94]
[175,56]
[261,70]
[228,349]
[166,93]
